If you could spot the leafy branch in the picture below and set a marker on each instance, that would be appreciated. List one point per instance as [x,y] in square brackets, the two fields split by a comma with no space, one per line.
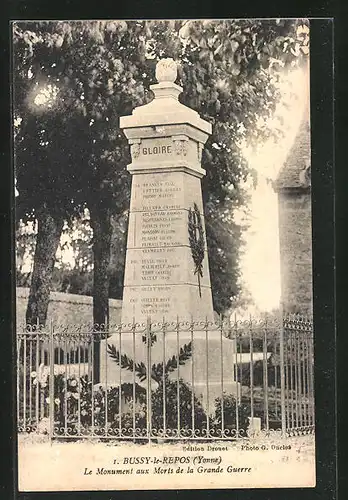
[157,369]
[196,240]
[172,364]
[125,362]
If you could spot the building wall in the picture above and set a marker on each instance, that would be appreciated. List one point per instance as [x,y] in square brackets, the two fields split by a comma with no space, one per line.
[295,235]
[66,308]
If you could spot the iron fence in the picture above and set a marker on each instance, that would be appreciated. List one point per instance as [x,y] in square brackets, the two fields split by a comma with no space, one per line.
[169,380]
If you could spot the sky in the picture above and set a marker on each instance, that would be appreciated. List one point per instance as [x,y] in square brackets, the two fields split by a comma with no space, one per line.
[260,264]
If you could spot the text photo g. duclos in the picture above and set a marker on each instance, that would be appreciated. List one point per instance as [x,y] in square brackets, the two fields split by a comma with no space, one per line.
[163,254]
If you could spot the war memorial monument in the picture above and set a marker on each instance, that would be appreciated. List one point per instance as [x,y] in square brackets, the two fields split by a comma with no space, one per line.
[167,269]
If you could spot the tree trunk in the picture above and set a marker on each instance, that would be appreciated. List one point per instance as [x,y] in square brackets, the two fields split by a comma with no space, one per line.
[47,240]
[102,230]
[119,224]
[101,225]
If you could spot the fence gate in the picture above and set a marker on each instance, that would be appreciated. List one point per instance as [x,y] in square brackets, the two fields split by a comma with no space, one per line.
[221,380]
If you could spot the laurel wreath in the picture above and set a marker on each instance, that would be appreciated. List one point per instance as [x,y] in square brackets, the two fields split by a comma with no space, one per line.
[196,240]
[140,369]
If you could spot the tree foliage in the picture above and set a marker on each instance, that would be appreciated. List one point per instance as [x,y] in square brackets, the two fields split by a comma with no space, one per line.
[99,71]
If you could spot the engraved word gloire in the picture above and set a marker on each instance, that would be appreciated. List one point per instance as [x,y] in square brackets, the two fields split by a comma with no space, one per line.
[157,150]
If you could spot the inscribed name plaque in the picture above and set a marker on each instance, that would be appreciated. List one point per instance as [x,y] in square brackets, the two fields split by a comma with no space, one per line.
[160,277]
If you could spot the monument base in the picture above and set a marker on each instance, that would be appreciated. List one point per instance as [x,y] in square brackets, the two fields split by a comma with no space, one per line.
[205,361]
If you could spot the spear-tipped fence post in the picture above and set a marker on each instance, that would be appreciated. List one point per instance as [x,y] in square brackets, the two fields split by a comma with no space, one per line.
[282,378]
[51,382]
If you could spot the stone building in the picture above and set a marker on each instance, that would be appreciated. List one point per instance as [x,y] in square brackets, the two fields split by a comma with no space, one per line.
[293,186]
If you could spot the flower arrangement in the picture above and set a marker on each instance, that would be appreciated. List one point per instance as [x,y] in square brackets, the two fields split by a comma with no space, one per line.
[81,408]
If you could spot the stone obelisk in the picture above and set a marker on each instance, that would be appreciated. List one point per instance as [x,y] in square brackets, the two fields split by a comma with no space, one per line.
[166,141]
[167,271]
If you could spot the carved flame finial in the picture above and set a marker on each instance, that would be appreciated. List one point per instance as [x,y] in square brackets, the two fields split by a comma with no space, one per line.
[166,70]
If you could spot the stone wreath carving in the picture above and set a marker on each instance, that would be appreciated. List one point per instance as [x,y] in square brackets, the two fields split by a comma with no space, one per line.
[196,240]
[135,150]
[181,147]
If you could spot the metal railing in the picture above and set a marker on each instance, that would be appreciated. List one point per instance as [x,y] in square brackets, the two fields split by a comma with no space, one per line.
[175,381]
